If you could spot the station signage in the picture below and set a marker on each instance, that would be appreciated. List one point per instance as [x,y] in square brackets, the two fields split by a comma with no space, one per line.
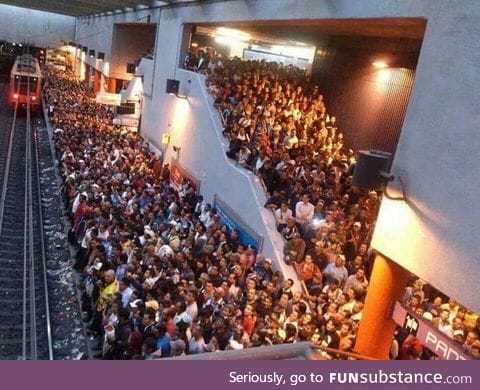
[437,342]
[178,173]
[228,217]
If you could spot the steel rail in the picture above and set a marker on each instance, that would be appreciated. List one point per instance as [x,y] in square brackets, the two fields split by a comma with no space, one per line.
[3,194]
[31,259]
[44,257]
[26,245]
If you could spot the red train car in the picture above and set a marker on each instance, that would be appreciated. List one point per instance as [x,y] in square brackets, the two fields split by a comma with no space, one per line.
[25,82]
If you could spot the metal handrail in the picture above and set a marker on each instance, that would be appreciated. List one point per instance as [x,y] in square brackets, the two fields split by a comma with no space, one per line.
[302,350]
[332,351]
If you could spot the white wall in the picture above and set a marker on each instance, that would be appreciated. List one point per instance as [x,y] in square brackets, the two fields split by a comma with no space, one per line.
[129,43]
[437,236]
[194,125]
[41,29]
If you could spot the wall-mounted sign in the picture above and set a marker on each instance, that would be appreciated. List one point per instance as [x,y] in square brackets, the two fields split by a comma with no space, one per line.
[178,173]
[233,221]
[165,139]
[437,342]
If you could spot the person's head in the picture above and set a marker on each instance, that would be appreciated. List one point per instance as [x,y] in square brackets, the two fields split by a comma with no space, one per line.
[418,285]
[308,259]
[148,317]
[283,302]
[330,326]
[360,274]
[334,284]
[248,311]
[209,288]
[339,261]
[270,287]
[288,284]
[267,302]
[109,276]
[444,315]
[191,297]
[457,323]
[345,328]
[124,284]
[251,294]
[471,338]
[415,301]
[305,198]
[251,284]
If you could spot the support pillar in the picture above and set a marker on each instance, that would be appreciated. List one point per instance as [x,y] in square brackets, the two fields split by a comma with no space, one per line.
[387,285]
[86,76]
[97,81]
[112,85]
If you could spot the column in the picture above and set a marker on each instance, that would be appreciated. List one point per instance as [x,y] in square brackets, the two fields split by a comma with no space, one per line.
[387,285]
[112,85]
[97,81]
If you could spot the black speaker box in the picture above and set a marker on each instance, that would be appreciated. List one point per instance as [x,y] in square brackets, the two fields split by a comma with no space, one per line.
[367,171]
[173,86]
[131,68]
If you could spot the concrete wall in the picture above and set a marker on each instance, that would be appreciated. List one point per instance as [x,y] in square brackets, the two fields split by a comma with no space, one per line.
[436,234]
[41,29]
[129,43]
[97,32]
[369,103]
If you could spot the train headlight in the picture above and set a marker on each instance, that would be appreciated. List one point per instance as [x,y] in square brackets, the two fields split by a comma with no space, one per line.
[34,98]
[15,95]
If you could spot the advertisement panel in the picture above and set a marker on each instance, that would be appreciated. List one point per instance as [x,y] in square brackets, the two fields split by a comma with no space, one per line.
[436,341]
[233,221]
[178,173]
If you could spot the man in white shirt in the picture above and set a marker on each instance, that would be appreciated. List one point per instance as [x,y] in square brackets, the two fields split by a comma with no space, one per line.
[304,211]
[125,290]
[192,308]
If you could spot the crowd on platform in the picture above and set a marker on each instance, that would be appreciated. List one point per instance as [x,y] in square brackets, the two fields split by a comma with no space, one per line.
[162,277]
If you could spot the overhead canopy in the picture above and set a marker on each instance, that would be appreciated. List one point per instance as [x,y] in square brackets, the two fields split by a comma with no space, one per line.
[87,7]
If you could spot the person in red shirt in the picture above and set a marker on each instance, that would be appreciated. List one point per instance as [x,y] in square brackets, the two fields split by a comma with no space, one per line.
[249,320]
[307,269]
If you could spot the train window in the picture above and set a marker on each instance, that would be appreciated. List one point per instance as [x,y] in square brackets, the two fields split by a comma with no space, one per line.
[25,85]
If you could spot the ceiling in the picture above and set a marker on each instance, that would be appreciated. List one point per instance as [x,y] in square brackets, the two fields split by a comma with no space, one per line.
[308,30]
[86,7]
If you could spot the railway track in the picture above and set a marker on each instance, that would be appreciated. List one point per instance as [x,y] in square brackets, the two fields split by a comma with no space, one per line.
[24,310]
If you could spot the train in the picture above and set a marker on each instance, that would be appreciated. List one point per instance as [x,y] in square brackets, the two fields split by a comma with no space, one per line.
[26,82]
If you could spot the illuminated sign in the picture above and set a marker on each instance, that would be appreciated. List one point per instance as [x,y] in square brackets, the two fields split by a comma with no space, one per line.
[178,174]
[228,217]
[437,342]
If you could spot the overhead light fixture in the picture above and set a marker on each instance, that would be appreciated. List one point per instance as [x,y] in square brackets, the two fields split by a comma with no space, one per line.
[380,64]
[232,34]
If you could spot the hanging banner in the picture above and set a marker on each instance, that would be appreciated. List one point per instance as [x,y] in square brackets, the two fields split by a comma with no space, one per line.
[233,221]
[437,342]
[178,173]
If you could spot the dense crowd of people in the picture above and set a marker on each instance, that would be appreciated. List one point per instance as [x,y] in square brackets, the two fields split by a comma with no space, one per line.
[444,314]
[161,276]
